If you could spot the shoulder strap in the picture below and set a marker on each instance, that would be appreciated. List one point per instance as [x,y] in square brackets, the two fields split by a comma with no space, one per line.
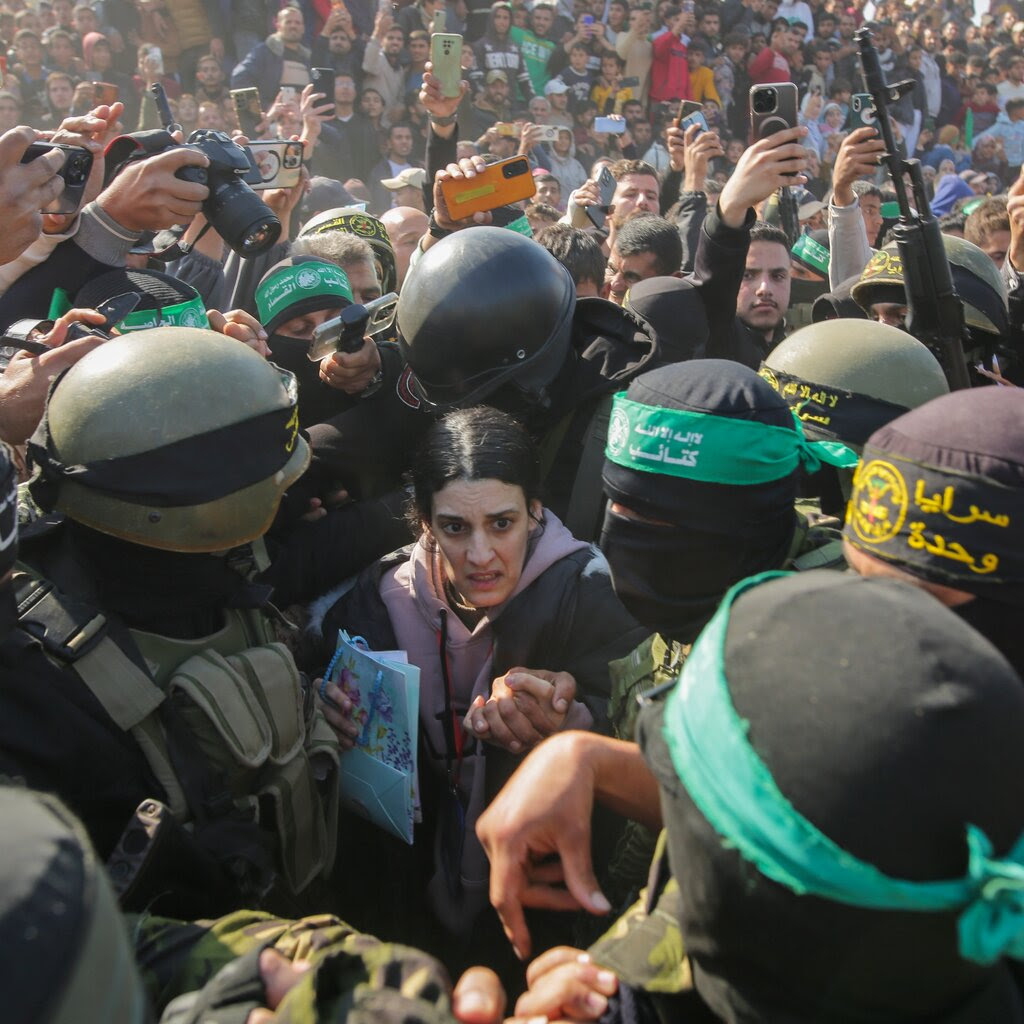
[587,498]
[74,633]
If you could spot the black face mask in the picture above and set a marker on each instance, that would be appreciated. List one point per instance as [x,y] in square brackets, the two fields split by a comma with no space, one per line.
[671,578]
[999,623]
[655,578]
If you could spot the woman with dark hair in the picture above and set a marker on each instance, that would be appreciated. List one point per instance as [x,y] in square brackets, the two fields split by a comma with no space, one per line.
[496,51]
[512,622]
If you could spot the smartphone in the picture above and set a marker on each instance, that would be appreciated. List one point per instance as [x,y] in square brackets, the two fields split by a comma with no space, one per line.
[104,92]
[323,81]
[248,110]
[504,182]
[612,125]
[606,183]
[345,333]
[688,6]
[506,128]
[588,19]
[438,24]
[290,94]
[773,108]
[698,118]
[446,58]
[862,111]
[279,163]
[629,83]
[75,172]
[549,133]
[156,57]
[686,108]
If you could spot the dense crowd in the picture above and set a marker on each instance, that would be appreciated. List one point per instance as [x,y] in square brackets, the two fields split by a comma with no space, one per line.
[589,593]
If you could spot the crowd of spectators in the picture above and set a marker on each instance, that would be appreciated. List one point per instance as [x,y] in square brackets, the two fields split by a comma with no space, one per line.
[542,64]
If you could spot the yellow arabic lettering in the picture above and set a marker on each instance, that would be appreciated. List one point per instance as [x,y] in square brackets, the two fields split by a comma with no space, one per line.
[952,550]
[942,504]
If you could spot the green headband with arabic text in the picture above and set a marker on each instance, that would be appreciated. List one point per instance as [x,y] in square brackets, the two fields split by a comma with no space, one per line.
[735,791]
[713,449]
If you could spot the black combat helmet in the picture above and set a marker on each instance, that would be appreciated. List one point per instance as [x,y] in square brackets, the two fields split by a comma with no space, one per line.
[484,308]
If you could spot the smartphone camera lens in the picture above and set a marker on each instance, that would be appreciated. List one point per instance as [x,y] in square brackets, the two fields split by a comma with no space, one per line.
[74,173]
[514,170]
[765,101]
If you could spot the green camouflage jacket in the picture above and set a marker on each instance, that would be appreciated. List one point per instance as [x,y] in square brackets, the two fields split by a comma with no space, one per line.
[354,977]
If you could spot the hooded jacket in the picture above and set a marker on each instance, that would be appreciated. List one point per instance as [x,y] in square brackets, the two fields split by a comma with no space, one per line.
[563,615]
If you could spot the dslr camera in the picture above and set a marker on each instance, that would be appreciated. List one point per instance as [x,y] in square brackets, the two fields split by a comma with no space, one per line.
[232,208]
[237,214]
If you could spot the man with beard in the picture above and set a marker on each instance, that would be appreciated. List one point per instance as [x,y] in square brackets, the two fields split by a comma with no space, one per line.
[280,61]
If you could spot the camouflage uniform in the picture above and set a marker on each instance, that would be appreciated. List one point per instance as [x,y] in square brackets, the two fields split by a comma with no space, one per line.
[354,977]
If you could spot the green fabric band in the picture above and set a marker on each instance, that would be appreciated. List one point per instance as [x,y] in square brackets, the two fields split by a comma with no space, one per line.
[60,304]
[521,226]
[191,313]
[735,791]
[811,253]
[712,449]
[299,283]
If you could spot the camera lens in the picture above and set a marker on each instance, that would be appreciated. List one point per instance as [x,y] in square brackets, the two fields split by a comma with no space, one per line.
[241,218]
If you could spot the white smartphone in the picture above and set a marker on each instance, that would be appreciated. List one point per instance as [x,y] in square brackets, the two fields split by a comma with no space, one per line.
[156,59]
[279,163]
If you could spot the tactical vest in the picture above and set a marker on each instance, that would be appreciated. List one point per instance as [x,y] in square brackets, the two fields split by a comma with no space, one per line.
[268,750]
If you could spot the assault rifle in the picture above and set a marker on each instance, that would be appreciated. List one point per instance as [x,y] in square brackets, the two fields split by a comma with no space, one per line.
[935,314]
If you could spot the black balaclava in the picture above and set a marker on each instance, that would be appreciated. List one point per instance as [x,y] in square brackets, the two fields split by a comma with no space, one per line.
[8,538]
[173,593]
[939,494]
[671,577]
[291,288]
[890,726]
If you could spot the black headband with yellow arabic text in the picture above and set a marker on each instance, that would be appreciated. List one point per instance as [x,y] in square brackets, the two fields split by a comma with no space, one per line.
[949,527]
[831,413]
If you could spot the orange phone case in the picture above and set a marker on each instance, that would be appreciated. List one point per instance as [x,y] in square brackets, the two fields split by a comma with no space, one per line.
[106,93]
[504,182]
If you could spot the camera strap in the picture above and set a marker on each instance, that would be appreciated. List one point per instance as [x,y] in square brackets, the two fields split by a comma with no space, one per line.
[137,146]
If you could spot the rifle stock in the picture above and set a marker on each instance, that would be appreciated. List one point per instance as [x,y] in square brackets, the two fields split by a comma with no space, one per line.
[935,314]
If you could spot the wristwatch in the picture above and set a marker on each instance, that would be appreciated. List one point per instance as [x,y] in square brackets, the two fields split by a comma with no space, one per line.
[435,230]
[374,386]
[443,122]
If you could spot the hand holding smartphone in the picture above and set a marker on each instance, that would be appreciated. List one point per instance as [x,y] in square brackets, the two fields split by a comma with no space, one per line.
[606,183]
[503,182]
[75,172]
[446,61]
[773,108]
[323,81]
